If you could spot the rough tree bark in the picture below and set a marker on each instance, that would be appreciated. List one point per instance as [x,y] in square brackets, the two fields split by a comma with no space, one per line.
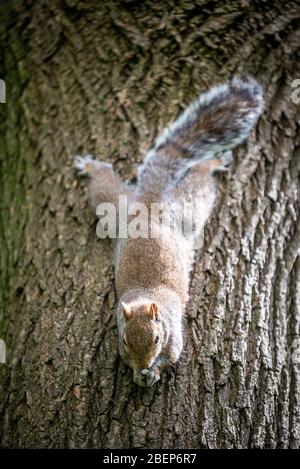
[104,77]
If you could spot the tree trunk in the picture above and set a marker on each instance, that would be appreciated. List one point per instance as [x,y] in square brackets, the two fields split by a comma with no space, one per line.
[103,78]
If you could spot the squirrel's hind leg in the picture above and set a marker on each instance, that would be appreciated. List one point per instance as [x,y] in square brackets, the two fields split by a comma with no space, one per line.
[105,185]
[195,194]
[199,181]
[223,161]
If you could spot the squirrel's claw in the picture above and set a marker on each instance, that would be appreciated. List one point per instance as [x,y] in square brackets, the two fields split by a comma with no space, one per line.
[146,379]
[225,159]
[83,164]
[86,164]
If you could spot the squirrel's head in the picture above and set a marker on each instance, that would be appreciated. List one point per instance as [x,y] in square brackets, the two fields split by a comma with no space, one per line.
[143,333]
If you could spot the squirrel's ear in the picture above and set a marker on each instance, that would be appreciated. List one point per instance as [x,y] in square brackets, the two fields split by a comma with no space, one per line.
[126,311]
[153,311]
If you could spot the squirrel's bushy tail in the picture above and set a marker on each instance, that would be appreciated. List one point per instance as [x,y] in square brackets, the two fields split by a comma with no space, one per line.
[216,121]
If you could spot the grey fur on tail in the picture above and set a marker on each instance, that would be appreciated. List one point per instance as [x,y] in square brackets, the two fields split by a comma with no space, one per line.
[217,120]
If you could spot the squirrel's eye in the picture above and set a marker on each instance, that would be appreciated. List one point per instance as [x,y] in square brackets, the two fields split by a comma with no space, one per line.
[124,342]
[156,339]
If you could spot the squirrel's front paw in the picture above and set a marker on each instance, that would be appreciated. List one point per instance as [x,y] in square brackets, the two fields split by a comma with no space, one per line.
[85,165]
[146,377]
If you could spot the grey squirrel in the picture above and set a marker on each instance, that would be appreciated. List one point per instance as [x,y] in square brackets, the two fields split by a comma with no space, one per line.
[152,273]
